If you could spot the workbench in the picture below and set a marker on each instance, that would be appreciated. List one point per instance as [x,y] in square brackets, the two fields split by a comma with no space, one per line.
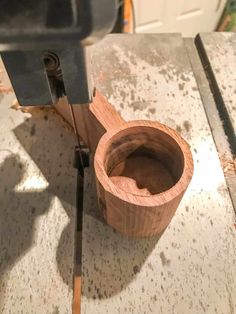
[191,267]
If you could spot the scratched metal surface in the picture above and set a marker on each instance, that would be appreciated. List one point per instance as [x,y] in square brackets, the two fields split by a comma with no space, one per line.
[37,212]
[221,52]
[215,119]
[191,268]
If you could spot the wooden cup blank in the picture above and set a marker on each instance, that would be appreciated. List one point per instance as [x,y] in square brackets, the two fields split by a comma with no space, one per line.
[142,167]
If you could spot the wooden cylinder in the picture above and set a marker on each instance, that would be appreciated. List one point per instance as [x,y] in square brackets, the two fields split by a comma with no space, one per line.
[142,169]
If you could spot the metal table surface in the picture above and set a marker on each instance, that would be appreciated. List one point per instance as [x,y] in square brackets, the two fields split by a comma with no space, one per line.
[218,52]
[218,114]
[190,269]
[37,209]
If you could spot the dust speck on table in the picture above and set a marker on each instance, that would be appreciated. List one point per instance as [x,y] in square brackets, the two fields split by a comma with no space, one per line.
[187,125]
[178,128]
[33,130]
[164,260]
[136,269]
[152,110]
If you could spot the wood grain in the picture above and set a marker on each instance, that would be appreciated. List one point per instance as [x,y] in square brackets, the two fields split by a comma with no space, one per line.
[142,168]
[92,120]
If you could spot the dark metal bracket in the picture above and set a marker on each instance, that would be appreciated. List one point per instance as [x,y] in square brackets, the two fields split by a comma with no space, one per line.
[31,30]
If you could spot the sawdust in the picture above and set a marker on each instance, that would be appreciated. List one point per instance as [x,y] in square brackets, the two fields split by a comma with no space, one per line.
[26,109]
[229,167]
[41,112]
[5,90]
[5,84]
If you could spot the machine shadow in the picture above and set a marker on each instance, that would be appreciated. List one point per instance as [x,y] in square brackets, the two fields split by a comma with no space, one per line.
[110,260]
[18,212]
[50,143]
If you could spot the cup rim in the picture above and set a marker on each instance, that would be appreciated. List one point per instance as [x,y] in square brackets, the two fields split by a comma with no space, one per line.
[143,200]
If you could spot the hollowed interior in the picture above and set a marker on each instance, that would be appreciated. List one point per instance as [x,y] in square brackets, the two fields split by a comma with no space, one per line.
[144,161]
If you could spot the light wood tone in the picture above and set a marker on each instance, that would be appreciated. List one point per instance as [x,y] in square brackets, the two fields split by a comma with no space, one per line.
[142,168]
[77,295]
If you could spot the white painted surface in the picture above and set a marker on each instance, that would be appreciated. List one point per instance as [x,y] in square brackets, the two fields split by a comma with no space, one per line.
[181,16]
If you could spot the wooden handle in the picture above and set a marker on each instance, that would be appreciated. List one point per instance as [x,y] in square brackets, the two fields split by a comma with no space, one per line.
[92,120]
